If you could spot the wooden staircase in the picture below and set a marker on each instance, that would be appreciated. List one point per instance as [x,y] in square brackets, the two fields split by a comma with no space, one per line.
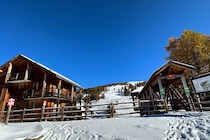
[178,100]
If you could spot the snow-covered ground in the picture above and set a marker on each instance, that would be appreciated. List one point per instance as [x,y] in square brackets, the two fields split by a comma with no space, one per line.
[170,126]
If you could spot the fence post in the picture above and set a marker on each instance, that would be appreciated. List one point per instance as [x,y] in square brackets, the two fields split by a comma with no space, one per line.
[62,113]
[199,102]
[166,105]
[8,114]
[2,116]
[23,114]
[139,107]
[42,112]
[112,110]
[85,110]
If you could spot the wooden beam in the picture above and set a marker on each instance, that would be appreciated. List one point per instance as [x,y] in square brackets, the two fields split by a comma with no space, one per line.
[59,85]
[154,94]
[4,98]
[9,70]
[26,73]
[187,94]
[59,92]
[44,85]
[72,93]
[161,88]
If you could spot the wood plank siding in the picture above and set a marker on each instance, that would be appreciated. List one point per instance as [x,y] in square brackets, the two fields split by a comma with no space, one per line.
[30,83]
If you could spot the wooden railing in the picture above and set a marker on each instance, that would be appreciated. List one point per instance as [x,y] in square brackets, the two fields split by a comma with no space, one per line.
[17,76]
[80,112]
[202,106]
[31,93]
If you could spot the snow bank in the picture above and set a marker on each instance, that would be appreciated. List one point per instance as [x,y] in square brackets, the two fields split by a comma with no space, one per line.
[20,131]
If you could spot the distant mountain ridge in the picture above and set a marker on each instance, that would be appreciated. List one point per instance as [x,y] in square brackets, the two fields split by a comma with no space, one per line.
[120,83]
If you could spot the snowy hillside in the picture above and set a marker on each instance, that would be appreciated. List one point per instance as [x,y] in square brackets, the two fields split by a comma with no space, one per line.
[115,95]
[134,83]
[170,126]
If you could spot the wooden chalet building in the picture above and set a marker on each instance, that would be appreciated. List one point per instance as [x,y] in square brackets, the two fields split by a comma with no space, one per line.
[30,83]
[167,86]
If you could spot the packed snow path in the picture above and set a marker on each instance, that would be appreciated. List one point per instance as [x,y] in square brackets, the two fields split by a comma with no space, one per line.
[195,126]
[133,128]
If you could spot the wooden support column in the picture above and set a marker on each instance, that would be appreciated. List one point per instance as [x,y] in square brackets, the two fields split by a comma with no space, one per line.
[72,93]
[9,70]
[162,91]
[26,73]
[4,98]
[197,96]
[44,85]
[80,91]
[147,107]
[59,92]
[4,92]
[68,91]
[152,97]
[59,86]
[187,91]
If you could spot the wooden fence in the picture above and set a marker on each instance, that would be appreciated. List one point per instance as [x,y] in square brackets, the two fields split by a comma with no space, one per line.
[82,112]
[202,102]
[65,113]
[148,107]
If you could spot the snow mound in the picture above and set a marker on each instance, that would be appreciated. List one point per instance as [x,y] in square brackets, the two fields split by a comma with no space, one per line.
[20,131]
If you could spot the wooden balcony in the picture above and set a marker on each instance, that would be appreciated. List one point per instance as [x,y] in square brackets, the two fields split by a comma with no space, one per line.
[32,94]
[17,78]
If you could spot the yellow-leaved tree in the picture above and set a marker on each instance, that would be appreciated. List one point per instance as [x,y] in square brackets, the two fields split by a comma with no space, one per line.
[192,48]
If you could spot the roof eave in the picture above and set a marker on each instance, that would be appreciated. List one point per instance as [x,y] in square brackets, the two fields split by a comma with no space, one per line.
[158,71]
[44,67]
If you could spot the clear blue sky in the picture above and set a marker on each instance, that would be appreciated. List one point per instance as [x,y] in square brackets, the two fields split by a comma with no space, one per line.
[98,42]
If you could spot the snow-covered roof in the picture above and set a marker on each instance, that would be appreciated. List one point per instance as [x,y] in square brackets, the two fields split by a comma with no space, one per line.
[54,72]
[50,70]
[137,90]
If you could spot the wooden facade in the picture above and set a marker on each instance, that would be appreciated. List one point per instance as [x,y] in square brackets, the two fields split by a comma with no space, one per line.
[30,83]
[167,84]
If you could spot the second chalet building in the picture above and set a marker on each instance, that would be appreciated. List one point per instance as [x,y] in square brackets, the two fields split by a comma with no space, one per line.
[30,83]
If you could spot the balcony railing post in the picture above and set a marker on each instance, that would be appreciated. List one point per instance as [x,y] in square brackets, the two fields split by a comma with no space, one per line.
[32,94]
[16,76]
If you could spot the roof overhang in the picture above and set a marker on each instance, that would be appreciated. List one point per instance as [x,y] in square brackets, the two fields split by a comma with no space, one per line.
[59,76]
[170,67]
